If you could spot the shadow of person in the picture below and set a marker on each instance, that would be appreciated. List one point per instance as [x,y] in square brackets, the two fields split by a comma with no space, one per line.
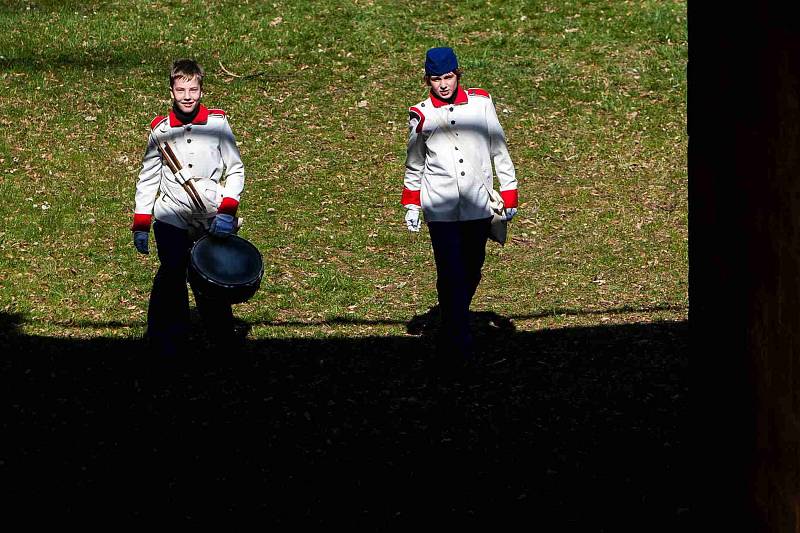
[201,339]
[9,325]
[488,325]
[426,324]
[490,332]
[483,323]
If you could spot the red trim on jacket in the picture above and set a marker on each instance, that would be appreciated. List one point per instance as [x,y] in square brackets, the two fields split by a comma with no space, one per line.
[478,92]
[200,118]
[156,121]
[421,118]
[410,197]
[216,112]
[141,222]
[461,98]
[510,198]
[228,206]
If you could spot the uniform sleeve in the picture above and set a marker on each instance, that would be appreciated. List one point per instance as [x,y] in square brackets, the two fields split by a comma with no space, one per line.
[415,160]
[147,186]
[503,166]
[234,170]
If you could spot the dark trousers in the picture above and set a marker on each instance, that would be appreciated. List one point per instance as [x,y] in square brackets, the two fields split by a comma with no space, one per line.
[459,249]
[168,311]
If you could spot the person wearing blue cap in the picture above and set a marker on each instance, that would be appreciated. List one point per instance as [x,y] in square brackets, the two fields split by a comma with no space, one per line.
[454,140]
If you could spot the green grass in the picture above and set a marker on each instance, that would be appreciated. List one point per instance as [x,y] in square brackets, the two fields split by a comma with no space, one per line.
[591,95]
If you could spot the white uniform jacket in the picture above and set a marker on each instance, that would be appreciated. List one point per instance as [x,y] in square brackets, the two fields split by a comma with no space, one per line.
[444,171]
[207,151]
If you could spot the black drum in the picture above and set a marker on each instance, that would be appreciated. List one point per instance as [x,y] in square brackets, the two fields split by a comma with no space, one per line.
[227,269]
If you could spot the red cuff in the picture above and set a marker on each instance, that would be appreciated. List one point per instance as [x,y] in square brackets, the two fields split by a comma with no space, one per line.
[141,222]
[509,198]
[410,197]
[228,206]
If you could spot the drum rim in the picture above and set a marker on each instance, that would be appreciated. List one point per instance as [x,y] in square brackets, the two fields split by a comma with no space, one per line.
[254,280]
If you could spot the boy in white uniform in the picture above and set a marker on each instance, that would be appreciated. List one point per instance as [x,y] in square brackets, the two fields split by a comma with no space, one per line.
[454,141]
[203,144]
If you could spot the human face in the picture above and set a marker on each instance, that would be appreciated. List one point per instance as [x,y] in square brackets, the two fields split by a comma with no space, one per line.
[444,86]
[186,94]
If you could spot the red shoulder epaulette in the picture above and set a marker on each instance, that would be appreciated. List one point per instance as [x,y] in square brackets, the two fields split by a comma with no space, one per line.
[419,114]
[478,92]
[216,112]
[156,121]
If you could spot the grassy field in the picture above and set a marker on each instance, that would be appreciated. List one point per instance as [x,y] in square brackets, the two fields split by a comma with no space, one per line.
[592,96]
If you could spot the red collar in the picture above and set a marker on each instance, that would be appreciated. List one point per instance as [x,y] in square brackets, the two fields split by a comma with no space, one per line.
[200,118]
[461,98]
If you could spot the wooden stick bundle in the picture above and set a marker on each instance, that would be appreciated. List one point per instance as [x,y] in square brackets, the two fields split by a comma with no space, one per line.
[175,166]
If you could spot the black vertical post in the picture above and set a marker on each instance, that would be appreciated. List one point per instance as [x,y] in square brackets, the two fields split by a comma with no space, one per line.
[744,254]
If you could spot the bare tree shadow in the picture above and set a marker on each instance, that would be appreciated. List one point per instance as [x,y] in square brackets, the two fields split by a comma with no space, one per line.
[582,425]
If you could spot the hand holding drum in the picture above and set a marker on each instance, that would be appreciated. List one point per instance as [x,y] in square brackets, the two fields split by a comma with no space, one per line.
[222,226]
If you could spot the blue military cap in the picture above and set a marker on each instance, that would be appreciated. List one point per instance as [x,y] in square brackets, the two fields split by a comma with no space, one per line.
[440,61]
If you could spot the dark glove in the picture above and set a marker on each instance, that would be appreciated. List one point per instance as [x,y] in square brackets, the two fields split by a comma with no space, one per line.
[222,225]
[140,241]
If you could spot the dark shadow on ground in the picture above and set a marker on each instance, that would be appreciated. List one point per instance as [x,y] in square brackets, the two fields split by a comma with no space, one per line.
[417,321]
[585,426]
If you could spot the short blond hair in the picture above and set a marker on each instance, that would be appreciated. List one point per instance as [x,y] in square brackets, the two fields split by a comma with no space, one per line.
[186,69]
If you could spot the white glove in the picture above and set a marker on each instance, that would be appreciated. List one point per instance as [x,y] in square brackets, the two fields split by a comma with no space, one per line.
[510,212]
[412,217]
